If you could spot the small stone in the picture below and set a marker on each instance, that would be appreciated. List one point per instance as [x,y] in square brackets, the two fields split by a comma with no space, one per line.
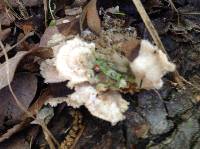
[152,108]
[183,137]
[179,103]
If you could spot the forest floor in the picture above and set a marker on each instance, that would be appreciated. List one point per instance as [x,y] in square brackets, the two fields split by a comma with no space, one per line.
[168,118]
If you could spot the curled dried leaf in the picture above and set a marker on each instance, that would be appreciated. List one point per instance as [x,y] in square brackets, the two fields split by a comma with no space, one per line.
[90,13]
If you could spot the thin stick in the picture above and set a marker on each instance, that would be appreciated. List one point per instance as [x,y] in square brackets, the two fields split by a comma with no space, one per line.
[176,10]
[149,24]
[190,13]
[45,12]
[49,140]
[23,39]
[51,11]
[173,6]
[42,124]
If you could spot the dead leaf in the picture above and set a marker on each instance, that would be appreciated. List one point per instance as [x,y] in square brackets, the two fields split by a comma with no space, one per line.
[45,95]
[70,28]
[24,86]
[27,26]
[13,62]
[26,46]
[4,34]
[55,34]
[48,35]
[90,13]
[131,48]
[141,131]
[44,53]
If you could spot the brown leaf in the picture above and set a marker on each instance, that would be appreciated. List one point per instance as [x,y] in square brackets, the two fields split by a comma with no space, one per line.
[70,28]
[24,86]
[131,48]
[45,95]
[4,34]
[90,13]
[55,34]
[26,46]
[49,32]
[13,62]
[27,26]
[26,120]
[44,53]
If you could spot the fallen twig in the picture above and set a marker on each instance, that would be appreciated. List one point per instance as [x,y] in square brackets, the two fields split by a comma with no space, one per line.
[176,10]
[14,130]
[148,24]
[173,6]
[45,12]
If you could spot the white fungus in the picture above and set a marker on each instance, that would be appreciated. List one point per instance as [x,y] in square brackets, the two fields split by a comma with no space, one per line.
[150,66]
[108,106]
[74,59]
[49,72]
[72,62]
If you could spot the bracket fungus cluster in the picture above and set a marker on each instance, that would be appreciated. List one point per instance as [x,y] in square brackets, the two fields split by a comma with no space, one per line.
[98,81]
